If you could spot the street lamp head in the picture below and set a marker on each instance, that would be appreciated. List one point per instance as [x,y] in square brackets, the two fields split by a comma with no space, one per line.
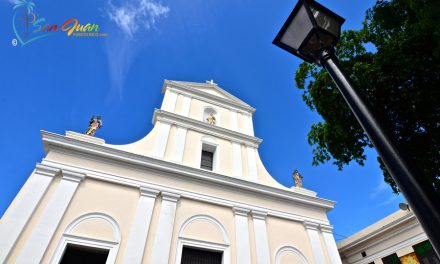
[310,29]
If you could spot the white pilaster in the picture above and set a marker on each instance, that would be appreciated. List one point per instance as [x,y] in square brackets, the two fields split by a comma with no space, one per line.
[162,139]
[164,232]
[237,169]
[313,234]
[169,101]
[330,244]
[134,251]
[252,163]
[242,235]
[234,120]
[248,124]
[179,147]
[186,103]
[261,240]
[46,226]
[19,214]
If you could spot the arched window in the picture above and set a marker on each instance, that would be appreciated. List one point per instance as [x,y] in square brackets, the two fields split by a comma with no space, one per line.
[80,240]
[210,116]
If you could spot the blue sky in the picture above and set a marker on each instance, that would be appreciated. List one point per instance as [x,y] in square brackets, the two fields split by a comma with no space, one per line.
[56,83]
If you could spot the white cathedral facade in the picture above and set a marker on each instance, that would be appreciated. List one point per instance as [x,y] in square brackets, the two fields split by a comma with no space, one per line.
[194,190]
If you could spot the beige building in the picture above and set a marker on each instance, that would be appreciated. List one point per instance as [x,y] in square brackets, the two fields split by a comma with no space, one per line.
[396,239]
[193,189]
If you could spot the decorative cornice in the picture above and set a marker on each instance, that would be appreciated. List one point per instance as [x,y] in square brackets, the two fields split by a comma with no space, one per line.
[205,128]
[258,215]
[311,225]
[220,201]
[72,176]
[378,232]
[148,192]
[44,170]
[209,98]
[55,141]
[240,211]
[326,228]
[171,197]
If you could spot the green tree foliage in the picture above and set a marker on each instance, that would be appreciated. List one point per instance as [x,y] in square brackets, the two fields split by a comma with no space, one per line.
[400,76]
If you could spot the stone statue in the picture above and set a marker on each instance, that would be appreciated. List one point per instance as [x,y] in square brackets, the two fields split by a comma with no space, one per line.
[94,125]
[297,178]
[211,119]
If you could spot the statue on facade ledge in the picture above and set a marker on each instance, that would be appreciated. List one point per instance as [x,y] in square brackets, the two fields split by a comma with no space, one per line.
[95,123]
[211,119]
[297,178]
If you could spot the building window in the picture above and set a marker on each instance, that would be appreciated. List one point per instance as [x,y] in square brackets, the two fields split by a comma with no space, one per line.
[193,255]
[391,259]
[364,254]
[207,160]
[425,253]
[85,255]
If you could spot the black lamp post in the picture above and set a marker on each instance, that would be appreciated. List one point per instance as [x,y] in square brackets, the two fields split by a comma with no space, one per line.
[311,32]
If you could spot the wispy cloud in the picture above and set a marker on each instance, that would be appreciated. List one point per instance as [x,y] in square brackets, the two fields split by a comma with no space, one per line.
[130,16]
[380,188]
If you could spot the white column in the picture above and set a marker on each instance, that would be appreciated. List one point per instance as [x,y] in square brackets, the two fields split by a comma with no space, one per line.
[164,232]
[162,139]
[169,101]
[312,232]
[18,215]
[261,240]
[134,251]
[46,226]
[186,103]
[237,169]
[242,235]
[234,120]
[252,163]
[330,244]
[179,146]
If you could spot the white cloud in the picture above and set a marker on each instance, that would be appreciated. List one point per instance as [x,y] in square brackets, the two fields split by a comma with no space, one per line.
[381,187]
[131,16]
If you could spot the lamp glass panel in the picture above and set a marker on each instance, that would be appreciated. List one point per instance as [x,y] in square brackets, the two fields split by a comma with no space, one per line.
[298,29]
[326,21]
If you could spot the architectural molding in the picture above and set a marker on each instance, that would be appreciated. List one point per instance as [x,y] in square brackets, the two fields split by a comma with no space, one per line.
[259,215]
[390,250]
[66,239]
[206,97]
[205,128]
[243,248]
[201,244]
[262,249]
[169,101]
[85,137]
[18,214]
[186,105]
[252,163]
[378,232]
[137,239]
[72,176]
[376,242]
[42,234]
[162,139]
[180,141]
[315,241]
[164,231]
[330,245]
[118,179]
[237,161]
[282,250]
